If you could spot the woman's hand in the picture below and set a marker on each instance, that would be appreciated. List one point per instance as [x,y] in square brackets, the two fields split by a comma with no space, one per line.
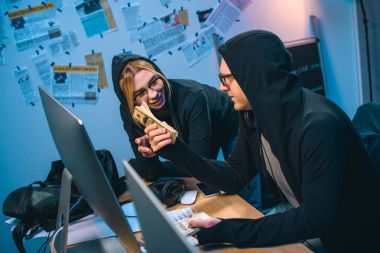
[143,147]
[158,137]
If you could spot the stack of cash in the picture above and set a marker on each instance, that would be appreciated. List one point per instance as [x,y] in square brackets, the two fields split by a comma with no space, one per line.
[145,117]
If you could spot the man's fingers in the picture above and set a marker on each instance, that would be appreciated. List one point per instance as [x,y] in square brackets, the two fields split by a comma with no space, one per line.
[156,132]
[161,137]
[207,223]
[196,223]
[161,144]
[143,149]
[150,128]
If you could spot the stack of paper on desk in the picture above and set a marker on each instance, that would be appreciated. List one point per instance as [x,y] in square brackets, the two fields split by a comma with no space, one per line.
[93,227]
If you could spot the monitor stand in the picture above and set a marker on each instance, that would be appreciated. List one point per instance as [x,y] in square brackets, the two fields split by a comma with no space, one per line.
[59,241]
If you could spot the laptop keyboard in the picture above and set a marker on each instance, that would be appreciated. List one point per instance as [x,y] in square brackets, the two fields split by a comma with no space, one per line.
[180,214]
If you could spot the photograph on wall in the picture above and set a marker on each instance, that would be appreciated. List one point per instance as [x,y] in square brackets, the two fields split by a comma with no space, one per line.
[203,16]
[160,35]
[75,83]
[96,16]
[34,26]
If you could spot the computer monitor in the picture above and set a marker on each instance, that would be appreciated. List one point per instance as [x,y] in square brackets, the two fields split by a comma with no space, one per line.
[78,155]
[160,234]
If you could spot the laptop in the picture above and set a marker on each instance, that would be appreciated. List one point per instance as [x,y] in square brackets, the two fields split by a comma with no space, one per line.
[79,157]
[159,232]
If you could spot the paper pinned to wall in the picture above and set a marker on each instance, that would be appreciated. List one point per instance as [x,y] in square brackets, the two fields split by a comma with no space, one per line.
[200,47]
[96,16]
[132,18]
[226,13]
[26,85]
[34,26]
[2,58]
[63,44]
[3,29]
[161,35]
[184,16]
[42,65]
[75,83]
[96,59]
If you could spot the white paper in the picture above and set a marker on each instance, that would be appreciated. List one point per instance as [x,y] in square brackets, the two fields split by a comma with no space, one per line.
[75,83]
[226,13]
[63,44]
[161,35]
[200,47]
[93,227]
[132,19]
[2,58]
[3,29]
[42,65]
[35,26]
[26,85]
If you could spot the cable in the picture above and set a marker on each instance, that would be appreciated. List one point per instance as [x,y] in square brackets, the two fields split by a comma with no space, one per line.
[49,237]
[365,22]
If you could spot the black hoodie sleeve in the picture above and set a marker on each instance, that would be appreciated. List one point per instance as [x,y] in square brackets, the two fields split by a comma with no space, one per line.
[229,176]
[199,125]
[323,155]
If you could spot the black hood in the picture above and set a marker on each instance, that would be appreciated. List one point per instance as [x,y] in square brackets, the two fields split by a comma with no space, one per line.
[261,65]
[118,63]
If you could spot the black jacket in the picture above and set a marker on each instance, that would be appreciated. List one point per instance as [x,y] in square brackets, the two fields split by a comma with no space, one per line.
[320,154]
[203,116]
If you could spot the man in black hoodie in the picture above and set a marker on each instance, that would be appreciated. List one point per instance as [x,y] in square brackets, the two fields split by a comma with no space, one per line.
[302,141]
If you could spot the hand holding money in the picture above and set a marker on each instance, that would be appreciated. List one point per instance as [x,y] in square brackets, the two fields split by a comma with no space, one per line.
[145,117]
[184,226]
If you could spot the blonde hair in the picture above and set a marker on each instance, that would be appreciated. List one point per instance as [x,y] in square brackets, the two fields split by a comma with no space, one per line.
[127,76]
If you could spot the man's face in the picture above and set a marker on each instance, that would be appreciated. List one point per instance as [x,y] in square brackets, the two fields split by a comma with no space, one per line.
[149,88]
[229,85]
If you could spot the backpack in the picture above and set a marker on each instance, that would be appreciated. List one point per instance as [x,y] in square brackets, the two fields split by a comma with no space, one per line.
[36,205]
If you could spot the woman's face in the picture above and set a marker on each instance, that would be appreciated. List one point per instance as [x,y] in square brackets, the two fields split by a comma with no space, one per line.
[150,88]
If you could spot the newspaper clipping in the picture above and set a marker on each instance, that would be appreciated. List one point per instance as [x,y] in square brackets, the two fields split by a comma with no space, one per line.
[96,16]
[161,35]
[26,85]
[75,83]
[34,26]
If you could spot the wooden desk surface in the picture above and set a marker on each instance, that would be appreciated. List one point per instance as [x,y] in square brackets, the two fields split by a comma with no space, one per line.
[232,206]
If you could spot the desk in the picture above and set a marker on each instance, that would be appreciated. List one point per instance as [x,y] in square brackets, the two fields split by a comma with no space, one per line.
[231,206]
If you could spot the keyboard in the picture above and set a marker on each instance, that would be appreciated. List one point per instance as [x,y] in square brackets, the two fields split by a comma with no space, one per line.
[180,214]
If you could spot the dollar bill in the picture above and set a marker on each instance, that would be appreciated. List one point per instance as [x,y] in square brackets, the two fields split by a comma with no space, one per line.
[145,117]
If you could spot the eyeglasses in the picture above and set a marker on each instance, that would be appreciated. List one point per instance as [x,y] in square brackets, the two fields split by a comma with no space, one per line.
[225,78]
[156,84]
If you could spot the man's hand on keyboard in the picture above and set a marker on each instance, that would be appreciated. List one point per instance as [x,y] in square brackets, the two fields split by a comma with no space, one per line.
[202,221]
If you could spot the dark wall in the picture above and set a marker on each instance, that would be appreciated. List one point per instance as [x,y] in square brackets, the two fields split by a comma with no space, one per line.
[371,8]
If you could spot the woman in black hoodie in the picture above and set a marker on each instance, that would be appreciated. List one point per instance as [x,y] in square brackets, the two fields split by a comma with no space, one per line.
[203,116]
[305,143]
